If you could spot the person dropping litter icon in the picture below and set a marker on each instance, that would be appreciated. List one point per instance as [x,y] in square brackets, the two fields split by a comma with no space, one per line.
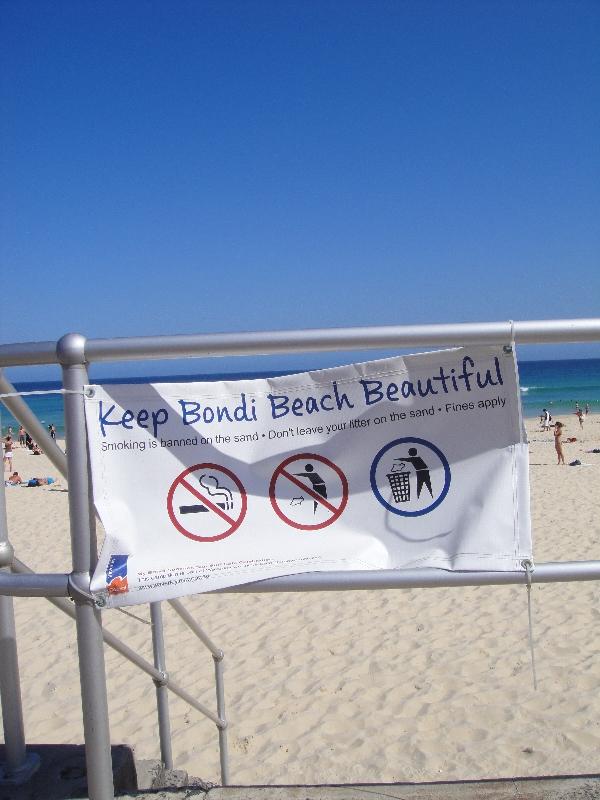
[318,484]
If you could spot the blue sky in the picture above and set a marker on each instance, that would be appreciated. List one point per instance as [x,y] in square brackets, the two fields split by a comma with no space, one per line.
[212,166]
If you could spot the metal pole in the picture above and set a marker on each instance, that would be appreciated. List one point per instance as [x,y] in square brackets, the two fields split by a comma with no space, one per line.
[34,585]
[70,351]
[328,339]
[162,692]
[18,767]
[550,572]
[220,688]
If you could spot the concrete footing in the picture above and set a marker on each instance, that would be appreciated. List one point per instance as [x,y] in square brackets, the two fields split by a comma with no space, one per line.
[583,787]
[62,776]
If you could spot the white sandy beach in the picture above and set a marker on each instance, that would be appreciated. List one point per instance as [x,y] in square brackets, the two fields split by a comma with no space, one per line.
[348,687]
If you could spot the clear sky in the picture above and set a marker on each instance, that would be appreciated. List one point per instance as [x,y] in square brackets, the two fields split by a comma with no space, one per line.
[178,167]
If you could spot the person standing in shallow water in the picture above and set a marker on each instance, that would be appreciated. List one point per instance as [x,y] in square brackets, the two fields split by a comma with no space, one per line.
[558,429]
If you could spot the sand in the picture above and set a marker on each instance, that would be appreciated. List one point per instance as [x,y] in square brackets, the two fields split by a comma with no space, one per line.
[403,685]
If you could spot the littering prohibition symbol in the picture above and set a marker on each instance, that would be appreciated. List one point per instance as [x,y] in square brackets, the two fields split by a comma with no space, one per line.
[405,461]
[207,502]
[308,486]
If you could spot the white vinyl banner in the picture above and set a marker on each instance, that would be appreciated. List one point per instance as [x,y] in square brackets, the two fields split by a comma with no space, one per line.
[418,461]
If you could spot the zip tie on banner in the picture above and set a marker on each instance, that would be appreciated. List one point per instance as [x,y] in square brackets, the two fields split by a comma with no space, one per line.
[42,391]
[529,567]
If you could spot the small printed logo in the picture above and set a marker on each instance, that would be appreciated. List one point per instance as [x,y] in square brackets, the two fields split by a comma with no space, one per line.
[116,575]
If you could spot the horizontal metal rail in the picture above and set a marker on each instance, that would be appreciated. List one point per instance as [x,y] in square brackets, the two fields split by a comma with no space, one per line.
[30,584]
[551,572]
[34,585]
[213,345]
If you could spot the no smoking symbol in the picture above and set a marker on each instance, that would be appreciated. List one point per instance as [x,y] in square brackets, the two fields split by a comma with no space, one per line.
[207,502]
[308,492]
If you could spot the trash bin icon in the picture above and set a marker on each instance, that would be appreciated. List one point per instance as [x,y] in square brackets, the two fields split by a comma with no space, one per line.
[400,486]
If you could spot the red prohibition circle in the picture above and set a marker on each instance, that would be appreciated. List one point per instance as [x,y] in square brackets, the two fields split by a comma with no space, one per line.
[323,460]
[236,523]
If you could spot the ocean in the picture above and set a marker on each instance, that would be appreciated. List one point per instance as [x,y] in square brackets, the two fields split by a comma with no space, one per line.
[555,385]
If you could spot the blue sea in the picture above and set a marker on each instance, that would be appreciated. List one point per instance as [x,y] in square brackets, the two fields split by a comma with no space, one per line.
[555,385]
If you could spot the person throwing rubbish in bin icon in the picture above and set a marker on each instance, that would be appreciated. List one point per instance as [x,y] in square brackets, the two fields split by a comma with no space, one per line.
[421,469]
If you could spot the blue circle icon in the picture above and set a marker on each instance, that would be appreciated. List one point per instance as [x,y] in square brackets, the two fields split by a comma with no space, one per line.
[403,470]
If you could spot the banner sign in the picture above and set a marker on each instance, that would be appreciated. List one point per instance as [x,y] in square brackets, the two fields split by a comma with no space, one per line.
[418,461]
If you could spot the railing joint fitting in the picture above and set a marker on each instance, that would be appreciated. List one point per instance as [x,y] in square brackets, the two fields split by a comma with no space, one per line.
[219,656]
[78,587]
[7,554]
[70,349]
[163,680]
[222,724]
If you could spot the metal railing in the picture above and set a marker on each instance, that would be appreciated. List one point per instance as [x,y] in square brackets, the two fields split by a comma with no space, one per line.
[157,672]
[73,352]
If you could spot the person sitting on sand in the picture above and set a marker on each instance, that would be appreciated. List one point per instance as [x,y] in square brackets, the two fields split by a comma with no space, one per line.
[14,480]
[558,429]
[36,450]
[40,481]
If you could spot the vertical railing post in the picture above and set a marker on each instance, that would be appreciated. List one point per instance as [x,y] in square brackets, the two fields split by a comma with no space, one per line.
[18,766]
[71,355]
[220,688]
[162,692]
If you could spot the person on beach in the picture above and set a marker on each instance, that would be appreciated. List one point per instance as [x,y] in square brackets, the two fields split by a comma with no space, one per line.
[558,429]
[22,436]
[545,419]
[8,452]
[579,414]
[14,480]
[587,409]
[52,431]
[40,481]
